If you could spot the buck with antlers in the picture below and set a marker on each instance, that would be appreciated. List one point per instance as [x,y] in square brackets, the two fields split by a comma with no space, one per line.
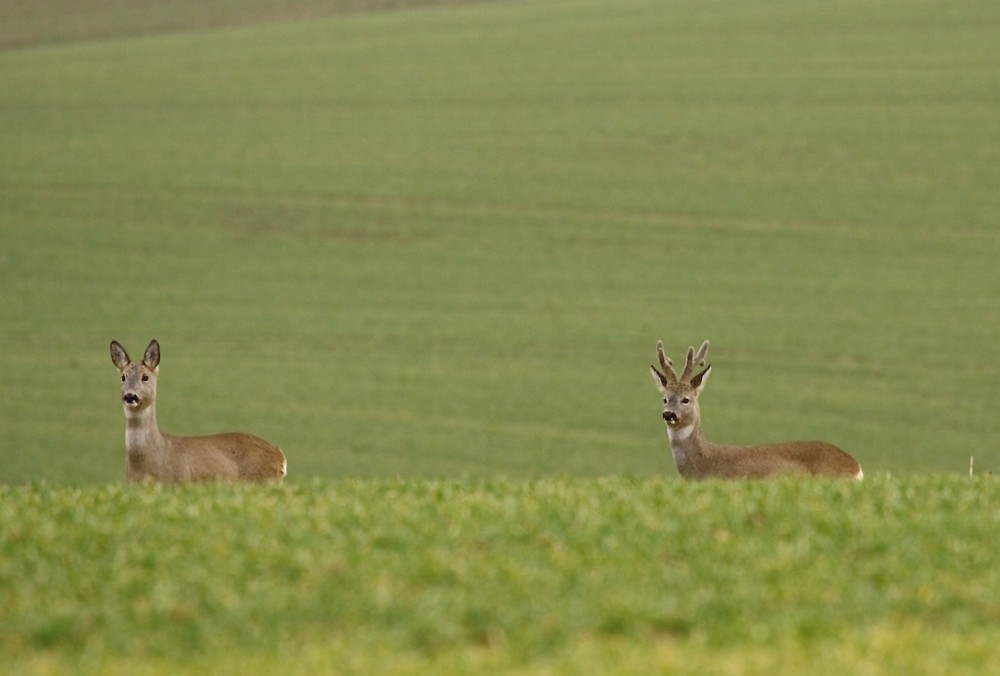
[154,455]
[698,458]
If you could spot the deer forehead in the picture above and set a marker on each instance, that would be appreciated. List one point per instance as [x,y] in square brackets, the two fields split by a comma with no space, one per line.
[136,371]
[679,391]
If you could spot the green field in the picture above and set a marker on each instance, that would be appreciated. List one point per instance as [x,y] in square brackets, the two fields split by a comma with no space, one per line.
[532,576]
[427,248]
[443,241]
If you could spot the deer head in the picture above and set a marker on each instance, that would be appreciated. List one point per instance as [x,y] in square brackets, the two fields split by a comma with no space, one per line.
[138,380]
[680,395]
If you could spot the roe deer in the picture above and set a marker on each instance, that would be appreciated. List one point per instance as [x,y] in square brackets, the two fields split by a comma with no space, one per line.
[698,458]
[153,455]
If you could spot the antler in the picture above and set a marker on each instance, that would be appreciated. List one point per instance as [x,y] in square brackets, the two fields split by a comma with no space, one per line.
[692,360]
[665,364]
[669,375]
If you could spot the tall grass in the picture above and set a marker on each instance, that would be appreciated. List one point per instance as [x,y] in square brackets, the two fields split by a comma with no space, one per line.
[562,574]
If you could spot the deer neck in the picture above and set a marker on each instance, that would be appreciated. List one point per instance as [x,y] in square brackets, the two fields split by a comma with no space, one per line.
[142,434]
[688,445]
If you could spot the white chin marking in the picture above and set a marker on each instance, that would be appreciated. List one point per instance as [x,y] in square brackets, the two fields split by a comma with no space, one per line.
[679,433]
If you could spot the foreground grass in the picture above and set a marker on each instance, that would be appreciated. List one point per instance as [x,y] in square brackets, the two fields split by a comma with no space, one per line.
[555,574]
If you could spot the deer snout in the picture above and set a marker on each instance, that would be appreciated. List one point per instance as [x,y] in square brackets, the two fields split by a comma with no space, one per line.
[130,399]
[670,417]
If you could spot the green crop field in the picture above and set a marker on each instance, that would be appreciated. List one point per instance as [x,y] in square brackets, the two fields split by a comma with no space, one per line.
[443,241]
[427,247]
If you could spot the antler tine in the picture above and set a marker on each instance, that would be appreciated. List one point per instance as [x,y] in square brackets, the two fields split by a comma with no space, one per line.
[665,363]
[699,358]
[686,373]
[694,359]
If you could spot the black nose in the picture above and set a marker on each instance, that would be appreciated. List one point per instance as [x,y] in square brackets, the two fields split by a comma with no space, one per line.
[669,416]
[131,398]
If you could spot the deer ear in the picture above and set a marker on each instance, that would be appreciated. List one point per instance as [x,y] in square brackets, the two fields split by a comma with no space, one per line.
[119,356]
[659,379]
[698,382]
[152,357]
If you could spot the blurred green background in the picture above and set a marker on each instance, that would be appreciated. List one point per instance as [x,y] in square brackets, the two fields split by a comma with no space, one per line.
[441,239]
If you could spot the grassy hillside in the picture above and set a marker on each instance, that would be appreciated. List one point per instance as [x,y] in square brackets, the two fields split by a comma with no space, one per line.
[56,21]
[546,576]
[443,242]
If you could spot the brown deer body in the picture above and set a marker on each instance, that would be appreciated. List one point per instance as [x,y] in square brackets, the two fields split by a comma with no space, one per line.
[698,458]
[150,454]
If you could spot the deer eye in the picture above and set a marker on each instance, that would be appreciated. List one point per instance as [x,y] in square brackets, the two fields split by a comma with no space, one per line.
[664,400]
[123,377]
[686,400]
[145,378]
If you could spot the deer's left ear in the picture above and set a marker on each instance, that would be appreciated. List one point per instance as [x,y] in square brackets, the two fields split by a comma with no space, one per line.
[659,379]
[152,357]
[698,382]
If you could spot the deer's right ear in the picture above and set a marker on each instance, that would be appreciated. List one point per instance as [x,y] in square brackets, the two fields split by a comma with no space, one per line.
[119,356]
[659,379]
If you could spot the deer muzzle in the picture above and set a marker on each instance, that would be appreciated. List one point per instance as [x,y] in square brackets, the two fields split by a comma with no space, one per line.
[130,399]
[670,417]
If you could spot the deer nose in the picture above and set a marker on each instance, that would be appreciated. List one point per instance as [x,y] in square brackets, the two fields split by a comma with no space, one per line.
[130,398]
[669,416]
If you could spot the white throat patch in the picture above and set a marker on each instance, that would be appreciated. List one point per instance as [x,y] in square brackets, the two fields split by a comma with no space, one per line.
[137,413]
[679,434]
